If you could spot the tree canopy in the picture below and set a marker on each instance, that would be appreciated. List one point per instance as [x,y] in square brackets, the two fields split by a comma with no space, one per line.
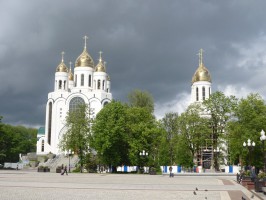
[15,140]
[143,99]
[78,134]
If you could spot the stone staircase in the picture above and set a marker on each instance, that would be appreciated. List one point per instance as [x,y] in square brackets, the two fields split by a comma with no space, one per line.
[60,160]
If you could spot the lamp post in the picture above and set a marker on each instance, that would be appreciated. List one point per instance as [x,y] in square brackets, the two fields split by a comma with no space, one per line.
[69,154]
[263,138]
[250,145]
[143,153]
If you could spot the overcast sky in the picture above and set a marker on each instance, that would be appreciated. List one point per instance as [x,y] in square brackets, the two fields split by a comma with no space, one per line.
[147,44]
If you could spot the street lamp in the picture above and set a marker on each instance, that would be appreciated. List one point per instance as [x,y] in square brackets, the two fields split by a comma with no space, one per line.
[143,153]
[69,154]
[263,138]
[250,145]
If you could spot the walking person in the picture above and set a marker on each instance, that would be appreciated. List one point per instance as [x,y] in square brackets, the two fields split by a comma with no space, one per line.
[64,170]
[171,169]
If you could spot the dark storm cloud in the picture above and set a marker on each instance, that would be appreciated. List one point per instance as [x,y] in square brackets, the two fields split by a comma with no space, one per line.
[150,45]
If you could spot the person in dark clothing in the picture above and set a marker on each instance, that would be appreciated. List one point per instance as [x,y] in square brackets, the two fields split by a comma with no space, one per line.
[171,169]
[64,171]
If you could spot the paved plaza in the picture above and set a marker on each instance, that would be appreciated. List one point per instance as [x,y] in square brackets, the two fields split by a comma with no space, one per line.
[31,185]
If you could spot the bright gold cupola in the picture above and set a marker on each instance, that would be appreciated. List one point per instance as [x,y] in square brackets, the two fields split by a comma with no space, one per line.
[84,60]
[100,67]
[202,73]
[62,67]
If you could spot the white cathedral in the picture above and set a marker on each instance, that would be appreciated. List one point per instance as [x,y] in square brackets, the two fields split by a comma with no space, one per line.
[90,84]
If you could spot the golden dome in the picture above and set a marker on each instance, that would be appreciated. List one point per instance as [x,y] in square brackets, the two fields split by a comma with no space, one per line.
[202,73]
[100,67]
[70,75]
[62,67]
[84,60]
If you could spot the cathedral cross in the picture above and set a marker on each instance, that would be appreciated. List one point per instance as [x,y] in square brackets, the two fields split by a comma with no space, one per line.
[200,56]
[85,38]
[100,52]
[62,53]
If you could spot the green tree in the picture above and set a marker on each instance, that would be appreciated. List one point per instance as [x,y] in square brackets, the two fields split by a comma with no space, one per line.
[250,119]
[143,133]
[170,138]
[15,140]
[78,134]
[143,99]
[220,108]
[194,133]
[110,138]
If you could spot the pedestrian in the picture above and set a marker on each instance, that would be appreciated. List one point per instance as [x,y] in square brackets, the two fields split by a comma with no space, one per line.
[253,173]
[171,169]
[64,171]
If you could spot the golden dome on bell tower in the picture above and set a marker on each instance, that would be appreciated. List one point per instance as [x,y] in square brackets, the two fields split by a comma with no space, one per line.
[84,60]
[100,67]
[202,73]
[62,67]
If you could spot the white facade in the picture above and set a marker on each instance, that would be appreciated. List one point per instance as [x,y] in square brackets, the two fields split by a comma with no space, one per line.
[89,84]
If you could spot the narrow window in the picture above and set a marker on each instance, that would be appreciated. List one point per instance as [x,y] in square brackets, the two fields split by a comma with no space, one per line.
[89,80]
[103,84]
[203,93]
[60,84]
[64,85]
[82,80]
[49,122]
[209,91]
[197,93]
[75,80]
[99,85]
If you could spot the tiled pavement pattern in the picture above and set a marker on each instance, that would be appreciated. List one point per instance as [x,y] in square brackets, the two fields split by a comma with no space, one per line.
[31,185]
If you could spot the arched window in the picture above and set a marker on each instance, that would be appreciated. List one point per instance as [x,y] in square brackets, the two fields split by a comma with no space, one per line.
[75,80]
[203,93]
[105,103]
[64,85]
[209,91]
[60,84]
[99,85]
[103,84]
[89,80]
[49,122]
[197,93]
[82,80]
[74,103]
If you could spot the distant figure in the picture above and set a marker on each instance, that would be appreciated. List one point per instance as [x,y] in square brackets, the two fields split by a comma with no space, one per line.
[253,173]
[64,171]
[171,169]
[17,166]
